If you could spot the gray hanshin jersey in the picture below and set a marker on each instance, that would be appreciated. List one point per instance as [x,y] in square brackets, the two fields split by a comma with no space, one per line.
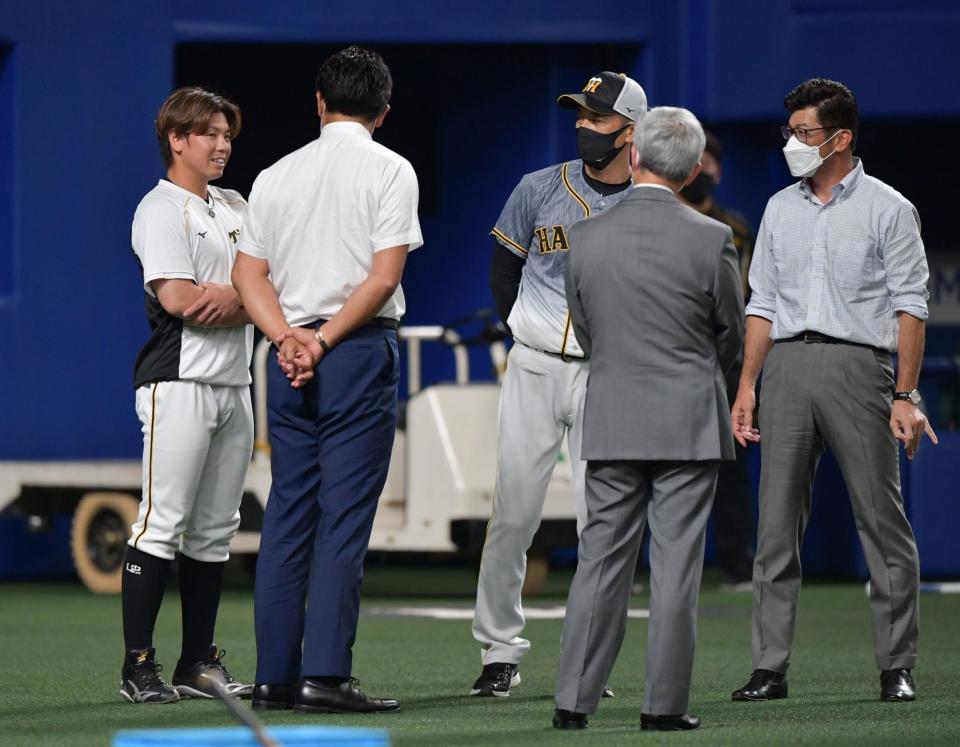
[535,225]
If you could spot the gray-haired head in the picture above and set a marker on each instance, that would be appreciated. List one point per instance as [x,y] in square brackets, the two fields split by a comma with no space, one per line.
[670,142]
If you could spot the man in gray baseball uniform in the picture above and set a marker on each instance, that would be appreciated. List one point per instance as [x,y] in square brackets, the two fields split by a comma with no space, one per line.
[545,382]
[655,298]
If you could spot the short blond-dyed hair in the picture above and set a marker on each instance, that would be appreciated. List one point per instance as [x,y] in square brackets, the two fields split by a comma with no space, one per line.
[189,110]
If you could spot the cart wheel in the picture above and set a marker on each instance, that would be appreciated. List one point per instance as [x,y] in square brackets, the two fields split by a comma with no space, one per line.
[538,567]
[101,528]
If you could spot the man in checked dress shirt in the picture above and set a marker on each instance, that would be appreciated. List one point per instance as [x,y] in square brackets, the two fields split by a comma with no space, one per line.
[839,281]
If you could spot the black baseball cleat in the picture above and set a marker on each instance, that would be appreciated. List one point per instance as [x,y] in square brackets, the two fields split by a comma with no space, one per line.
[496,680]
[569,720]
[764,684]
[896,686]
[196,680]
[347,697]
[274,697]
[140,680]
[681,722]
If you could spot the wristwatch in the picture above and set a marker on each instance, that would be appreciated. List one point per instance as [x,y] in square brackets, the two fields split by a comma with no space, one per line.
[913,396]
[318,336]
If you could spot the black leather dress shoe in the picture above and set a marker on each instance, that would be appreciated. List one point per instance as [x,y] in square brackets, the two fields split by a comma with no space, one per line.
[683,722]
[569,719]
[763,685]
[346,697]
[273,697]
[896,685]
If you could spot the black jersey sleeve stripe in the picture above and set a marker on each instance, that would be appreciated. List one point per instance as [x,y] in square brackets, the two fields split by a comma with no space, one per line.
[506,239]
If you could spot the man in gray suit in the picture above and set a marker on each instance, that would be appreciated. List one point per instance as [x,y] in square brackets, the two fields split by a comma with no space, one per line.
[654,293]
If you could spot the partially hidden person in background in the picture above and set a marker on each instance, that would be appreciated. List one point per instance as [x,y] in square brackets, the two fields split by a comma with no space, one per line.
[733,520]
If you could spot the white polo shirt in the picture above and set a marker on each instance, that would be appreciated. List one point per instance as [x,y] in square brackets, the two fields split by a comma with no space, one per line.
[177,234]
[319,215]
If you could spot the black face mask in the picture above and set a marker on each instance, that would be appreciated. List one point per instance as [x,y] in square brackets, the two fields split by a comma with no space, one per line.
[700,189]
[597,149]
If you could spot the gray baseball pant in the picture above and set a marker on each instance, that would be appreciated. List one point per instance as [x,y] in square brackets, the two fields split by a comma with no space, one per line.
[541,400]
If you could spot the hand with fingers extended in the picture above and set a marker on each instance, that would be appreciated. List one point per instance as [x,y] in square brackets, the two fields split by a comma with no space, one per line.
[741,416]
[218,302]
[298,354]
[908,424]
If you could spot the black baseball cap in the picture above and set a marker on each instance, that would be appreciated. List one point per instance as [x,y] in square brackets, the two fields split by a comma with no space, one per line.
[609,93]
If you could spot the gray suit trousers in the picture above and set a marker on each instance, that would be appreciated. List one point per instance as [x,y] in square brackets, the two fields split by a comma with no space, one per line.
[622,496]
[816,395]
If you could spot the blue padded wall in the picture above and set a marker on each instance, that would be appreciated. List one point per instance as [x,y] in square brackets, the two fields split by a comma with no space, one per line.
[86,79]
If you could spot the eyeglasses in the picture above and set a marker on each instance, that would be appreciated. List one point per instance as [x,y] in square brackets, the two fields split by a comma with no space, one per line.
[802,133]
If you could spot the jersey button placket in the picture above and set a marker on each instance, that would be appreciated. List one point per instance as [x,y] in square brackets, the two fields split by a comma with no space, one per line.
[815,298]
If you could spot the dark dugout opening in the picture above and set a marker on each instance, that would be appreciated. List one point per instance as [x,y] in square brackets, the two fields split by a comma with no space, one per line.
[274,86]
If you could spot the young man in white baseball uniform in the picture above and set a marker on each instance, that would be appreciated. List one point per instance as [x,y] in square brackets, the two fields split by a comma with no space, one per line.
[545,383]
[192,394]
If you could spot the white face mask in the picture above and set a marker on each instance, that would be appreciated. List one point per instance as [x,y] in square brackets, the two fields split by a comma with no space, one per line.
[802,159]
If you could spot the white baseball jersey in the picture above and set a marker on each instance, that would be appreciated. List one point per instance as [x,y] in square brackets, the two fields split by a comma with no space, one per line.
[177,234]
[535,224]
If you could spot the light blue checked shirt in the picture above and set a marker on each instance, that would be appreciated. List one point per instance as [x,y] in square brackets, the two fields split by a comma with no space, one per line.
[843,269]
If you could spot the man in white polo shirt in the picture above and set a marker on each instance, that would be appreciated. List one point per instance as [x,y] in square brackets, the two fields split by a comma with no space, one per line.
[319,271]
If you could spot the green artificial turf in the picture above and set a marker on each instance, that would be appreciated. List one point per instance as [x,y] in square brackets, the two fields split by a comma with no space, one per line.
[60,654]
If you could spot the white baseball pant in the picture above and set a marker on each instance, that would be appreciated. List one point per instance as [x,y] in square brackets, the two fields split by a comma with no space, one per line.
[541,400]
[197,444]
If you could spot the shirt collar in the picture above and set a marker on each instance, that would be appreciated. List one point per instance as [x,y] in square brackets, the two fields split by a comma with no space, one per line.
[664,187]
[845,187]
[169,185]
[345,129]
[851,180]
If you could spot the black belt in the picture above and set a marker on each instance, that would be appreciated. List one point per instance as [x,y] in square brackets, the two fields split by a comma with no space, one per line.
[383,322]
[562,356]
[817,337]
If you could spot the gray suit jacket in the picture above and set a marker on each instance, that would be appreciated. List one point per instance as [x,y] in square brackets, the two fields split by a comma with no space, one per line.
[654,293]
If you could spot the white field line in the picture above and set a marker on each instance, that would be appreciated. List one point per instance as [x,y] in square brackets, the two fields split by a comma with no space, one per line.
[931,587]
[944,587]
[466,613]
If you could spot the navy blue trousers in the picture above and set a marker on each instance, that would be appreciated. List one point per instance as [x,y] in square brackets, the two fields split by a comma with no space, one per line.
[330,450]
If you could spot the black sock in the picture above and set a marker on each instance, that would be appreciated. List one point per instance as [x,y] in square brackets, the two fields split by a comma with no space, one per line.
[144,579]
[200,585]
